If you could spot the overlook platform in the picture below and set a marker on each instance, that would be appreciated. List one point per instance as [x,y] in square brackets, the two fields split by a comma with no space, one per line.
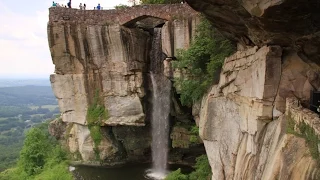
[123,16]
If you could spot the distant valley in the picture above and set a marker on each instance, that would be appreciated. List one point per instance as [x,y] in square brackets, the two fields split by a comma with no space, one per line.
[23,104]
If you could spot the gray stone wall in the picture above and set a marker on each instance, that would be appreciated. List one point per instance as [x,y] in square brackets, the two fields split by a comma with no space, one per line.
[121,16]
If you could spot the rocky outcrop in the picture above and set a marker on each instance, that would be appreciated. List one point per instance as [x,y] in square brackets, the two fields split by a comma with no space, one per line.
[104,57]
[85,62]
[287,23]
[242,120]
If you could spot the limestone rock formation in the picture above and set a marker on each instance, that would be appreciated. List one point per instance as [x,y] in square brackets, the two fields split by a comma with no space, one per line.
[287,23]
[242,120]
[103,58]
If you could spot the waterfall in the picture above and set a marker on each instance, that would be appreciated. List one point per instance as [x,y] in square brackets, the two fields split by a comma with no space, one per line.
[161,108]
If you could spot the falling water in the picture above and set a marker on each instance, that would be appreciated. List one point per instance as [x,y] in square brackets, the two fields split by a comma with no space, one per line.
[161,109]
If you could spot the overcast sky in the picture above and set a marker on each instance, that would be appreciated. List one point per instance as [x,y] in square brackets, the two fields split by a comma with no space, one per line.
[24,50]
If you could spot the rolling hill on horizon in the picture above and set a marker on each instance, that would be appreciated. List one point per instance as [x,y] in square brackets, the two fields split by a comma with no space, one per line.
[6,82]
[27,95]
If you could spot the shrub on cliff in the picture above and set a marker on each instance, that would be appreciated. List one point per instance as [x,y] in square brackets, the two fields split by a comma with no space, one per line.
[201,62]
[177,175]
[95,115]
[202,171]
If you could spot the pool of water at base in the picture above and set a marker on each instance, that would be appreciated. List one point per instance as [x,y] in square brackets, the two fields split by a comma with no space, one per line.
[126,172]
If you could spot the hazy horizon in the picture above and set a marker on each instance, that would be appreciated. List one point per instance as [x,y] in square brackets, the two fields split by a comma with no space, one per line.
[24,76]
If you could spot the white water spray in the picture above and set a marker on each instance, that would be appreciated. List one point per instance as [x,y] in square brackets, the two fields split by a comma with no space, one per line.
[160,111]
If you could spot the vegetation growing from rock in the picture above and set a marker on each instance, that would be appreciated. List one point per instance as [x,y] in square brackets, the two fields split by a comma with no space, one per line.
[177,175]
[195,134]
[95,114]
[40,158]
[201,62]
[202,171]
[121,6]
[305,131]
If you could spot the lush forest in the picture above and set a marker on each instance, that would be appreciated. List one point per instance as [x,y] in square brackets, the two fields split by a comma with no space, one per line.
[20,109]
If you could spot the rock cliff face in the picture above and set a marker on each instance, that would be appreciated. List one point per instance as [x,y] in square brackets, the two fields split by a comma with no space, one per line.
[109,61]
[245,120]
[288,23]
[242,120]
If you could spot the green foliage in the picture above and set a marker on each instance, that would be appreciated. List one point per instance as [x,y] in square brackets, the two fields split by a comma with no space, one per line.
[195,130]
[307,132]
[55,172]
[96,134]
[202,169]
[17,105]
[195,134]
[160,1]
[34,151]
[121,6]
[290,125]
[14,173]
[40,158]
[311,138]
[97,137]
[193,139]
[176,175]
[201,62]
[96,113]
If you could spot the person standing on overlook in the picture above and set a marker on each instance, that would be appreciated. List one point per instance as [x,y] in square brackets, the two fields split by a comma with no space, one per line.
[84,6]
[69,4]
[54,4]
[80,6]
[99,7]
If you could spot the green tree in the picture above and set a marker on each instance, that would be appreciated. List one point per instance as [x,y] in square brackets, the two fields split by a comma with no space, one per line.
[177,175]
[40,158]
[202,169]
[34,151]
[201,62]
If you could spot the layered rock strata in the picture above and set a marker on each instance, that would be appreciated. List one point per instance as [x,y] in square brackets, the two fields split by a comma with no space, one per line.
[110,62]
[287,23]
[243,121]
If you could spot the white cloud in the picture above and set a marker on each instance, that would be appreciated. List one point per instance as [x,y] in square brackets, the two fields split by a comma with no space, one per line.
[23,44]
[23,38]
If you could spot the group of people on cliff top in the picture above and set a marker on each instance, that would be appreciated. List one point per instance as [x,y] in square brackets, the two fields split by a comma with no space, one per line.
[61,5]
[81,7]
